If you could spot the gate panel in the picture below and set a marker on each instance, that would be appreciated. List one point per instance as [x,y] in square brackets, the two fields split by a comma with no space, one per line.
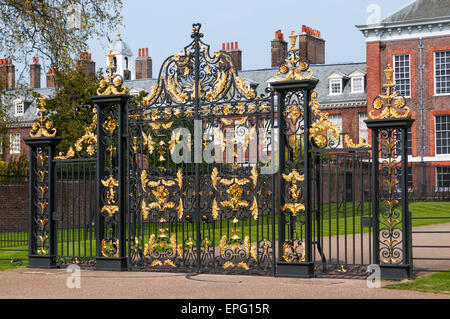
[342,216]
[75,212]
[200,198]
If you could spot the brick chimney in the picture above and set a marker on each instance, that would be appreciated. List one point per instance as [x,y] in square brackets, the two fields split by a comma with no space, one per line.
[3,74]
[312,46]
[7,75]
[233,50]
[35,74]
[86,64]
[51,78]
[279,49]
[143,65]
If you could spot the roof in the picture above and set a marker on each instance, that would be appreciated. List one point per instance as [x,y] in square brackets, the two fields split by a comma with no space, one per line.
[118,46]
[420,10]
[262,77]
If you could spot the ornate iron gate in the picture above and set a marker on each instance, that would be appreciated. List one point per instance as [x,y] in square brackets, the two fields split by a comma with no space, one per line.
[199,198]
[204,175]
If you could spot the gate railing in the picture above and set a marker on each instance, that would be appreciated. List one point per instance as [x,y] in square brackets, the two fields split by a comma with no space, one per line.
[133,176]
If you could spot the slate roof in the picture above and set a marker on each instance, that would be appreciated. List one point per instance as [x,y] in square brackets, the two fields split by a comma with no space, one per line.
[421,10]
[263,76]
[260,77]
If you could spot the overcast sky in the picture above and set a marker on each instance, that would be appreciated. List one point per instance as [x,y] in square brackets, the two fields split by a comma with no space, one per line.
[165,26]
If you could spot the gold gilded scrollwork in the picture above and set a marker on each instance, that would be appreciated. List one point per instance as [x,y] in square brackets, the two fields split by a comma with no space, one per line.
[111,84]
[89,139]
[390,100]
[234,193]
[160,191]
[295,207]
[42,127]
[168,249]
[110,248]
[291,251]
[323,129]
[295,68]
[250,250]
[111,208]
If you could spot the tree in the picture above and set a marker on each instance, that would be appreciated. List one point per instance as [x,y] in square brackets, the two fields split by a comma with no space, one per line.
[70,107]
[55,29]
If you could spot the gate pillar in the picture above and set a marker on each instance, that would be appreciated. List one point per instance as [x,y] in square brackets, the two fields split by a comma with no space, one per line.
[111,103]
[42,230]
[294,178]
[110,182]
[392,234]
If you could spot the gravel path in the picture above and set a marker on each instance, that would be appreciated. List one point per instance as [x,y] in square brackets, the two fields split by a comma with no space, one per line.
[37,284]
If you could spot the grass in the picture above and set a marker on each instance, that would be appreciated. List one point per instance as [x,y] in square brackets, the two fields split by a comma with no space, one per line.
[332,217]
[438,283]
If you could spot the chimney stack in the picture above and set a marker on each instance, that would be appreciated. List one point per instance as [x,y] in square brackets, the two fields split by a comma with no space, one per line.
[312,46]
[35,74]
[143,65]
[279,49]
[86,64]
[7,74]
[236,54]
[51,78]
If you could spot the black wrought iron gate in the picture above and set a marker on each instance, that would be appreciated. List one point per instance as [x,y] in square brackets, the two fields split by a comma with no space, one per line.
[204,175]
[199,198]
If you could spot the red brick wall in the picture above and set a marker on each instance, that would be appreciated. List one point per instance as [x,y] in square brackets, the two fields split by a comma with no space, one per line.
[24,149]
[379,55]
[14,206]
[377,60]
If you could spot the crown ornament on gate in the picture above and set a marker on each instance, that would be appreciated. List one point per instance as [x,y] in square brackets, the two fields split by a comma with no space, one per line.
[42,127]
[294,66]
[112,83]
[389,103]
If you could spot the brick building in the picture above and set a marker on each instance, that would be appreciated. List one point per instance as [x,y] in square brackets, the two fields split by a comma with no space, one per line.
[415,41]
[341,88]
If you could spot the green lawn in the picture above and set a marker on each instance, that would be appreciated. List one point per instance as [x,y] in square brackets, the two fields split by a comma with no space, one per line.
[335,219]
[436,283]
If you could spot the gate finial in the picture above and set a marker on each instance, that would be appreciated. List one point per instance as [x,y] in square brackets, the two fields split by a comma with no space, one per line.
[390,100]
[111,84]
[299,68]
[42,127]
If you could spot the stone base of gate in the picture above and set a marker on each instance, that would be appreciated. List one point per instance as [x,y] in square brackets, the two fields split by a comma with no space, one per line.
[43,262]
[395,272]
[111,264]
[303,270]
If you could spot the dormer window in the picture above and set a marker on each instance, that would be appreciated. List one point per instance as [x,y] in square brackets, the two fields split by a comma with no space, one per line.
[19,108]
[335,86]
[357,81]
[358,84]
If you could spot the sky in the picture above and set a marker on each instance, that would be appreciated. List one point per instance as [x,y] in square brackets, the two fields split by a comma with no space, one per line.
[165,26]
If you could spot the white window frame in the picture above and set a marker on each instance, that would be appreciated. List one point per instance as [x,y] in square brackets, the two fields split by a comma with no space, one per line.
[435,136]
[335,81]
[330,118]
[434,74]
[362,84]
[361,122]
[17,104]
[14,145]
[440,189]
[395,73]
